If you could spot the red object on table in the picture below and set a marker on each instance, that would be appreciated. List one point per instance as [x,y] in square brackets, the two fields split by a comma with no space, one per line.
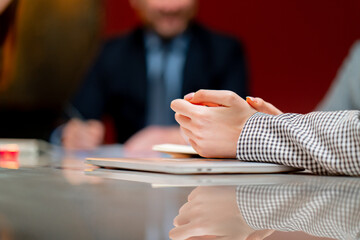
[9,156]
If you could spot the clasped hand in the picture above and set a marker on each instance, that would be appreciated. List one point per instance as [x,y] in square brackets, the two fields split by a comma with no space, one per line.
[214,131]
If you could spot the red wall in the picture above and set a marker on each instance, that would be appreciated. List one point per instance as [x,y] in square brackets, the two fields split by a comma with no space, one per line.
[294,47]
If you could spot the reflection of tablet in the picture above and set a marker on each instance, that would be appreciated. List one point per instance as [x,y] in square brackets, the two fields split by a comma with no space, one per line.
[188,165]
[169,180]
[176,150]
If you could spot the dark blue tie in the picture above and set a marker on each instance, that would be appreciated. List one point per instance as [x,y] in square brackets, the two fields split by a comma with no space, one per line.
[158,103]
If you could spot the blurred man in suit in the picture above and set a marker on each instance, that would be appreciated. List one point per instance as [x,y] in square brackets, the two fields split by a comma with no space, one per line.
[136,76]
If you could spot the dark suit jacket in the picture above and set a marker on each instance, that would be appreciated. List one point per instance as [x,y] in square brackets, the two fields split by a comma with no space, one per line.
[117,83]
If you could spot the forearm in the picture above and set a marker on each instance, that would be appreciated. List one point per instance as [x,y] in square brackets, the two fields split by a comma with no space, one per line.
[322,142]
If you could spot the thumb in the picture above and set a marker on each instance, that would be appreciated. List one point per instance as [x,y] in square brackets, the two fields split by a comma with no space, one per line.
[189,97]
[212,98]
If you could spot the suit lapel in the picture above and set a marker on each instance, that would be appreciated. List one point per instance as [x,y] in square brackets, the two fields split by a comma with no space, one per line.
[196,76]
[137,67]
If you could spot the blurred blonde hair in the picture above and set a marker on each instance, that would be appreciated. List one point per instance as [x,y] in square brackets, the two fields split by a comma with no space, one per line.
[7,43]
[47,50]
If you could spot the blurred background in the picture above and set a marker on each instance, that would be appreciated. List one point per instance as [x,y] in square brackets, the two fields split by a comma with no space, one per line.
[294,49]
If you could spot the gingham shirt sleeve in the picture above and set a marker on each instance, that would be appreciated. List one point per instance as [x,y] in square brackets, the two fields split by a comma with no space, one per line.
[326,143]
[323,210]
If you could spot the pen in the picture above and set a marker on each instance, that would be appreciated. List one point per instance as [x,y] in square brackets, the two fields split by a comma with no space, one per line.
[73,112]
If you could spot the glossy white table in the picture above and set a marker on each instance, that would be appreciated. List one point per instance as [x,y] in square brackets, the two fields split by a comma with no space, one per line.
[56,199]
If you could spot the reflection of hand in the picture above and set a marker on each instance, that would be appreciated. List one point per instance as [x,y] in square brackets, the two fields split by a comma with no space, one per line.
[213,131]
[261,106]
[213,213]
[149,136]
[80,135]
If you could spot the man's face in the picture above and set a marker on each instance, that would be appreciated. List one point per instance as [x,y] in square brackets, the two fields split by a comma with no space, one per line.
[166,17]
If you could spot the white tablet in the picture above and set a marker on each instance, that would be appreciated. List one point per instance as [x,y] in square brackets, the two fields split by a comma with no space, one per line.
[189,165]
[193,180]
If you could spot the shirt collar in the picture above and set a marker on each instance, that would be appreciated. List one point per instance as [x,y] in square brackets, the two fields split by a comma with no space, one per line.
[154,41]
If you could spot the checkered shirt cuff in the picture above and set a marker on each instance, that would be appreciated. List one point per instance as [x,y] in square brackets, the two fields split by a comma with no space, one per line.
[326,143]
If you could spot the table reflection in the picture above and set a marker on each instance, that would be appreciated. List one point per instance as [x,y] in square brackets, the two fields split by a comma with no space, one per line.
[50,197]
[323,207]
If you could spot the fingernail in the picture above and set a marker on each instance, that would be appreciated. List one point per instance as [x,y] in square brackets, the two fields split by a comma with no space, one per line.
[251,99]
[189,96]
